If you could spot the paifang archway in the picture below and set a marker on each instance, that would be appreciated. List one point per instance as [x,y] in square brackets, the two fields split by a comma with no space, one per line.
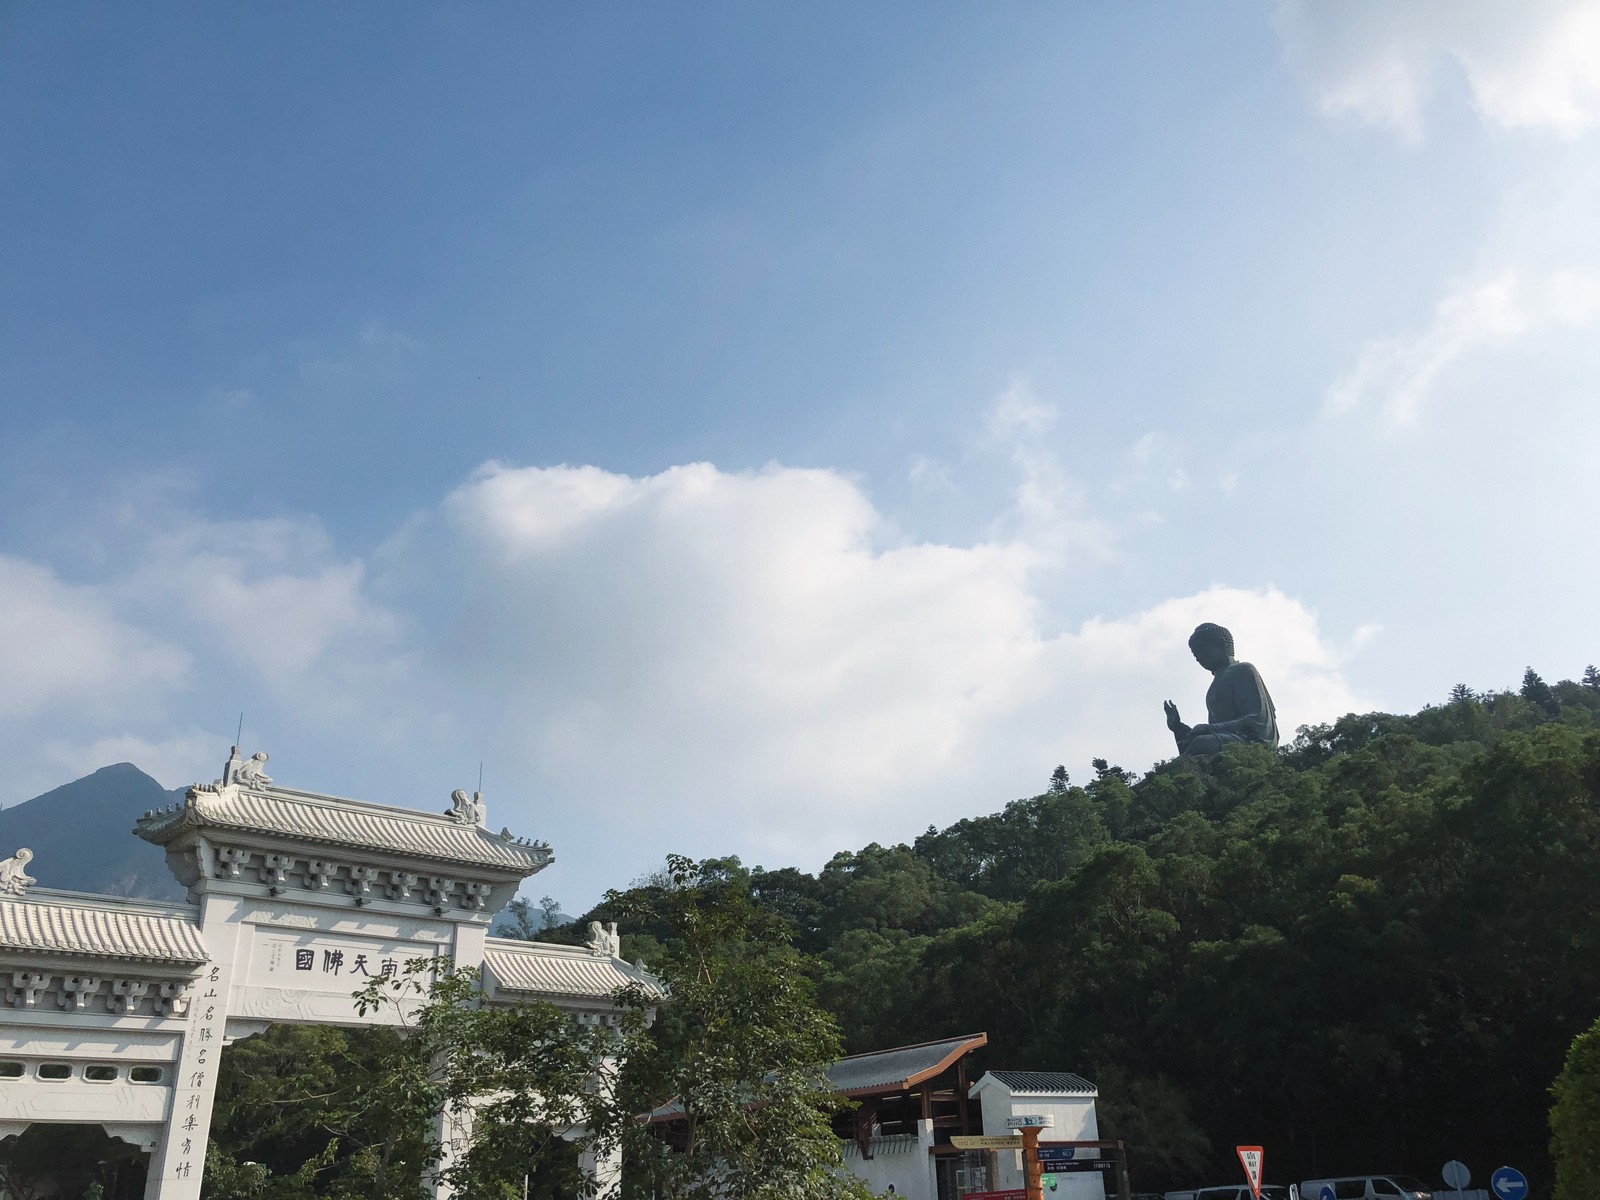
[116,1011]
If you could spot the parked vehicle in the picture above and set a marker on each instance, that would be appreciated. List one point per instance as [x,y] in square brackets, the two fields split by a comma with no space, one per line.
[1367,1187]
[1240,1191]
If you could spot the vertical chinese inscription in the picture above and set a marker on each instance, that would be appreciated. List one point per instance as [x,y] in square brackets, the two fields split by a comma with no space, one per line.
[193,1087]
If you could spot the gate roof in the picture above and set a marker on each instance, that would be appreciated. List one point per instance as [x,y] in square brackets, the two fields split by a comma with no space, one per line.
[51,922]
[311,818]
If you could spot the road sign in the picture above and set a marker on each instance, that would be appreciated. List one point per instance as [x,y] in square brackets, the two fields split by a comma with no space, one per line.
[1508,1183]
[1327,1192]
[1250,1157]
[1012,1194]
[987,1142]
[1054,1154]
[1048,1179]
[1037,1121]
[1456,1174]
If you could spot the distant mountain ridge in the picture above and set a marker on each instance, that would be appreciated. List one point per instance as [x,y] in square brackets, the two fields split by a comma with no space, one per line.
[82,838]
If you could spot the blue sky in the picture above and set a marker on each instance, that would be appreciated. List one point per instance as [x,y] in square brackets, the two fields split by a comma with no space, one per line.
[766,428]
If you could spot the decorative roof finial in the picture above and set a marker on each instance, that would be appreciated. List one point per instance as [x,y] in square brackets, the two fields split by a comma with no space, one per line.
[252,771]
[468,810]
[14,880]
[604,940]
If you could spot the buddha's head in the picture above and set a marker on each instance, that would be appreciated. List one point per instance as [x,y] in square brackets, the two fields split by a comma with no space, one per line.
[1212,646]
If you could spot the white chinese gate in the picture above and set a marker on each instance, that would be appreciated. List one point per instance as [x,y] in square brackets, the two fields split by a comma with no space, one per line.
[116,1011]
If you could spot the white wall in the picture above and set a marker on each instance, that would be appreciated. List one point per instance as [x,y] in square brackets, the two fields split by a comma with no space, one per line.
[900,1159]
[1074,1122]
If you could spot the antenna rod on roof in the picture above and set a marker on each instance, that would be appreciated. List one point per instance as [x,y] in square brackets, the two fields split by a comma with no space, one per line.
[240,735]
[480,777]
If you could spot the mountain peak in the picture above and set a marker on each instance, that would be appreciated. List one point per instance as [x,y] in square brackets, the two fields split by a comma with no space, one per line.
[81,834]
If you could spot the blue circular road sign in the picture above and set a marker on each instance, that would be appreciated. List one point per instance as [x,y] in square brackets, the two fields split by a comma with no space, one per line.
[1508,1183]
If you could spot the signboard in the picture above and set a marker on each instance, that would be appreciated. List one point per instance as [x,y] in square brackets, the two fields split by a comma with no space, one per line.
[328,962]
[1456,1174]
[1508,1183]
[1040,1121]
[1013,1194]
[1082,1164]
[1250,1157]
[1055,1154]
[986,1142]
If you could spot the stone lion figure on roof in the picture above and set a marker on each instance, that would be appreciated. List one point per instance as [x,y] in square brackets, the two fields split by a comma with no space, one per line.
[14,878]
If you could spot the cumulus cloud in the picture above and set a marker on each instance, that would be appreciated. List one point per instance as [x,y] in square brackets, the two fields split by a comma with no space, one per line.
[753,660]
[750,662]
[174,761]
[1531,66]
[269,595]
[63,647]
[1397,377]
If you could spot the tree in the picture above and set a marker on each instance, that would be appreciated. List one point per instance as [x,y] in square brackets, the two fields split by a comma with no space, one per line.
[1575,1120]
[1537,692]
[738,1058]
[299,1114]
[1058,781]
[1591,677]
[1461,694]
[47,1160]
[525,1084]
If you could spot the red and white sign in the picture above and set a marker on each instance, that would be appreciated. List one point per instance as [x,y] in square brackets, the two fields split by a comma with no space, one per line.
[1251,1158]
[1014,1194]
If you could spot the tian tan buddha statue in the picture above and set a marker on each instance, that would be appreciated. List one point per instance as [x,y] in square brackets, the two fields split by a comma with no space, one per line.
[1238,709]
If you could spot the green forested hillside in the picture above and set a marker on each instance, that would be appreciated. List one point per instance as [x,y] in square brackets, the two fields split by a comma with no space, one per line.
[1367,950]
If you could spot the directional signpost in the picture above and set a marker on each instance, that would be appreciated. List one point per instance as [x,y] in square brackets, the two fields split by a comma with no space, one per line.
[1508,1183]
[1030,1127]
[1251,1157]
[1456,1174]
[986,1142]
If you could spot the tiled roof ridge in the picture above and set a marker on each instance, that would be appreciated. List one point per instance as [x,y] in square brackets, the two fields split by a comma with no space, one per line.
[46,924]
[981,1038]
[581,974]
[327,800]
[312,818]
[518,944]
[1041,1081]
[129,904]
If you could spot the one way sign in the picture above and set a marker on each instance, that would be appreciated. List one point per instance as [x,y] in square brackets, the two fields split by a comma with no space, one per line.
[1250,1157]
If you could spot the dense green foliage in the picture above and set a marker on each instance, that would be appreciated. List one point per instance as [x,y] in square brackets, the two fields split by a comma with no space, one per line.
[737,1057]
[1369,950]
[308,1112]
[48,1161]
[1575,1120]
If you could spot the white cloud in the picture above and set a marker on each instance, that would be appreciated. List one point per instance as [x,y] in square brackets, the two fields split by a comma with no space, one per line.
[1399,376]
[931,473]
[744,660]
[63,647]
[269,594]
[1532,65]
[174,761]
[1048,510]
[756,662]
[1018,413]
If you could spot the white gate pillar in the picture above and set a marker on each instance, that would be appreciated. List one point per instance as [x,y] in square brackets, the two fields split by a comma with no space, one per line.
[178,1163]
